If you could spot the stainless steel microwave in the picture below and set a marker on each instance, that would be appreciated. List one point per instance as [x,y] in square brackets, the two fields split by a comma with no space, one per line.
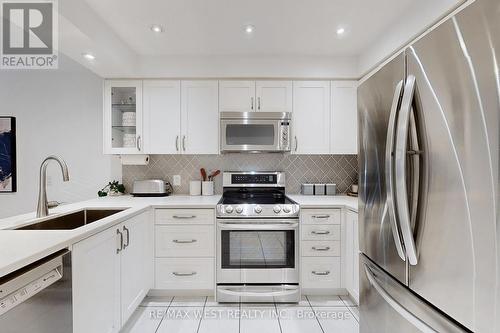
[255,131]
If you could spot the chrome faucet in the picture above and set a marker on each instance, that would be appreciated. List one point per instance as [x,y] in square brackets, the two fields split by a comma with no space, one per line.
[42,208]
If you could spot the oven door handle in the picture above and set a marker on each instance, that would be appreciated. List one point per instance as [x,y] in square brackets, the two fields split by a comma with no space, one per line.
[258,226]
[288,290]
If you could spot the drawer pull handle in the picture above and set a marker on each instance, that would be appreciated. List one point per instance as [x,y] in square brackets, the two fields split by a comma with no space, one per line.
[324,248]
[322,273]
[184,241]
[184,273]
[321,216]
[326,232]
[184,216]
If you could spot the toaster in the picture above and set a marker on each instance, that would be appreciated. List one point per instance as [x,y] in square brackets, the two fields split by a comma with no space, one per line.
[151,188]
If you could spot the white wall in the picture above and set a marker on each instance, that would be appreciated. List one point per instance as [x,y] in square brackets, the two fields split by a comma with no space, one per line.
[58,112]
[420,17]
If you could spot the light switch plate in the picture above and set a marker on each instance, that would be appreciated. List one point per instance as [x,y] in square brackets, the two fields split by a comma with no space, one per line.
[177,180]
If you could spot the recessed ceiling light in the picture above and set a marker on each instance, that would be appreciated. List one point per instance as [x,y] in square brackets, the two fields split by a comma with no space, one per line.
[88,56]
[340,31]
[156,28]
[249,29]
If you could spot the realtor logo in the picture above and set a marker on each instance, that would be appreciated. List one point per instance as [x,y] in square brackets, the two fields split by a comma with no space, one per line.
[29,35]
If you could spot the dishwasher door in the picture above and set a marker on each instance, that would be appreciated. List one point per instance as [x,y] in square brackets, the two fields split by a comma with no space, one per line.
[37,298]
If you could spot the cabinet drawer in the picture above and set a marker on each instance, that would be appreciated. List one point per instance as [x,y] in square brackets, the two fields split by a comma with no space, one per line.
[184,216]
[320,272]
[184,273]
[320,232]
[320,248]
[321,216]
[184,241]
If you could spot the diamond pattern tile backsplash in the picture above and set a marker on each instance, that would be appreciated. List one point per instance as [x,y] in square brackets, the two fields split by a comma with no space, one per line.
[339,169]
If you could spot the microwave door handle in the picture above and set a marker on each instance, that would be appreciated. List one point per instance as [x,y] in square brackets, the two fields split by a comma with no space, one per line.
[389,172]
[402,208]
[410,317]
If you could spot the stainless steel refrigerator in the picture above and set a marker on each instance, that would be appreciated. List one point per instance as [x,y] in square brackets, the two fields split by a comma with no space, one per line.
[429,147]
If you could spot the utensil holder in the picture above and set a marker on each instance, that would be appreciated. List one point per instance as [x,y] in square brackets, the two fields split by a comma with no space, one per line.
[207,188]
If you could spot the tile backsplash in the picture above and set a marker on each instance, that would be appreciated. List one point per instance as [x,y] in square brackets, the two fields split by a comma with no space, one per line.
[339,169]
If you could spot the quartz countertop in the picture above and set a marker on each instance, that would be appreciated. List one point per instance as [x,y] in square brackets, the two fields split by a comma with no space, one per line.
[22,247]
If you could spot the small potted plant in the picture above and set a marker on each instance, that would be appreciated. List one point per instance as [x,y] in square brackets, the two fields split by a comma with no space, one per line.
[113,188]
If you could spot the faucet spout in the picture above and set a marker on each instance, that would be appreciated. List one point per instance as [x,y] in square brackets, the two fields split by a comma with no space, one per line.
[42,206]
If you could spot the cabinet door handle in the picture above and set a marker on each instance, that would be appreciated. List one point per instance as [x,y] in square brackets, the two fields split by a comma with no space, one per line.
[184,142]
[296,143]
[184,241]
[320,216]
[184,273]
[138,142]
[128,237]
[258,103]
[177,143]
[322,273]
[326,232]
[251,103]
[323,248]
[119,249]
[184,216]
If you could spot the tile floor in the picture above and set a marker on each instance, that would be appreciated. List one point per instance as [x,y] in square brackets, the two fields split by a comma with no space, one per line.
[321,314]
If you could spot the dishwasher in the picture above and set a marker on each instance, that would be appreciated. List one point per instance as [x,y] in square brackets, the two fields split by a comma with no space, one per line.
[37,298]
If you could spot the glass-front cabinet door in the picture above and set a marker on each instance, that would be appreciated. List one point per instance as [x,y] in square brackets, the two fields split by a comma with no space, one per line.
[123,117]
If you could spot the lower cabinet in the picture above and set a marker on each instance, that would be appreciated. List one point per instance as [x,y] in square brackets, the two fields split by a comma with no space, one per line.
[351,259]
[185,251]
[112,272]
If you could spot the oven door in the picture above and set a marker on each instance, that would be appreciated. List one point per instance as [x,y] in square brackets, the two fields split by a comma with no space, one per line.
[248,135]
[263,252]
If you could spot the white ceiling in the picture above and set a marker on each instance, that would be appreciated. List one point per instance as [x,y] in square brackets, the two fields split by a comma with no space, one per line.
[283,27]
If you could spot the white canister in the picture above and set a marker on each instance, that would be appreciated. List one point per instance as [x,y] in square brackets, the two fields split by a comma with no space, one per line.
[207,188]
[128,118]
[195,187]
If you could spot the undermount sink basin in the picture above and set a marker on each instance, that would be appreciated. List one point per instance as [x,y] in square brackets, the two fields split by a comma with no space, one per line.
[73,220]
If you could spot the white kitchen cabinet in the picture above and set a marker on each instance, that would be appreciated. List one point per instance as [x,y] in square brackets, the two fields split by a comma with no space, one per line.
[136,263]
[237,96]
[351,258]
[96,283]
[199,117]
[273,96]
[123,116]
[344,119]
[311,117]
[248,96]
[162,116]
[112,272]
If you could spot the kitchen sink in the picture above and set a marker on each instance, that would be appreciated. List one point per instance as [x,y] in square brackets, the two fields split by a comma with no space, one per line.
[73,220]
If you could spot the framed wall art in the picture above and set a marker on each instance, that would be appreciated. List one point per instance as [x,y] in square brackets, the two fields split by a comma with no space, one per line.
[8,181]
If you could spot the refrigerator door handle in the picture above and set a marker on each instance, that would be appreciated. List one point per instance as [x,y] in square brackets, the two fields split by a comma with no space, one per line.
[389,171]
[410,317]
[402,206]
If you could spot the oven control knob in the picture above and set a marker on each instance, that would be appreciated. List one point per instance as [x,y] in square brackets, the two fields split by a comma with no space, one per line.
[287,209]
[239,209]
[277,209]
[258,209]
[229,209]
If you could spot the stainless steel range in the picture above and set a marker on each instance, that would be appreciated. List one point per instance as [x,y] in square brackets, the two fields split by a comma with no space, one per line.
[257,240]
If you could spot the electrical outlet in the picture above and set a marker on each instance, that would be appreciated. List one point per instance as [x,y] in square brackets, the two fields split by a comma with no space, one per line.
[177,180]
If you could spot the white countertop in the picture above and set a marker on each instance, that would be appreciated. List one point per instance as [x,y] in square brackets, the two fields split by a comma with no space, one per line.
[22,247]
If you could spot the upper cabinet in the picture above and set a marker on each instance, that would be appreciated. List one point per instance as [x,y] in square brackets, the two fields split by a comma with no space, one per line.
[311,117]
[123,117]
[237,96]
[162,116]
[248,96]
[200,117]
[344,117]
